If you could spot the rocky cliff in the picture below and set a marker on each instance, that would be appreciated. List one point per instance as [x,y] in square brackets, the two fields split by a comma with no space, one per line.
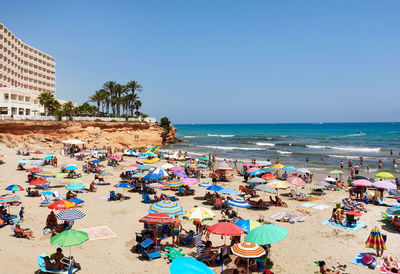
[52,133]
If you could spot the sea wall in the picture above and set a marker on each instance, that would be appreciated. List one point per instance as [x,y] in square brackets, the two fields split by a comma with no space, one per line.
[52,133]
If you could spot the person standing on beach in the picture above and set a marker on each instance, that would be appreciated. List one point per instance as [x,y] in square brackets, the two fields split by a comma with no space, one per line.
[341,164]
[176,231]
[361,160]
[391,152]
[21,214]
[350,163]
[380,164]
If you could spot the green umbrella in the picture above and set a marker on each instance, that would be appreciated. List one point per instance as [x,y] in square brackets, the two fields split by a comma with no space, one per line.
[268,169]
[336,172]
[180,164]
[61,175]
[204,159]
[69,238]
[266,234]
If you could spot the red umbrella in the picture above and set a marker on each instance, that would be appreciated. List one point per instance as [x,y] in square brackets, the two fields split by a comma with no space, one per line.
[268,176]
[35,170]
[157,218]
[296,181]
[39,181]
[61,204]
[226,229]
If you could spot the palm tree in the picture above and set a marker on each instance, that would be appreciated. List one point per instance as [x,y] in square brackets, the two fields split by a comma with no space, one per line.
[96,97]
[45,99]
[110,88]
[134,87]
[137,105]
[68,107]
[119,91]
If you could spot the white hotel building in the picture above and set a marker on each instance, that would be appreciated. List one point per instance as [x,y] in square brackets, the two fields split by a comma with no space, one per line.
[25,73]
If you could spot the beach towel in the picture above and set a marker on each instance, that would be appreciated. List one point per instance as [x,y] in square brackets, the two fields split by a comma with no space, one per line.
[307,205]
[291,217]
[384,269]
[99,233]
[355,228]
[321,207]
[105,198]
[357,260]
[304,211]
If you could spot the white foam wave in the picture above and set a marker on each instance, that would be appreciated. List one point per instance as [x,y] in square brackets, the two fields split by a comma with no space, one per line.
[343,156]
[284,152]
[356,149]
[189,136]
[265,144]
[220,135]
[233,148]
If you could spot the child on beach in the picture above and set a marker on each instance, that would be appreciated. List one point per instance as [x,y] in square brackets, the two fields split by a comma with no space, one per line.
[21,214]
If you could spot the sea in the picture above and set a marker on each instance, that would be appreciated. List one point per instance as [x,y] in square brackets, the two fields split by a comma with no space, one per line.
[315,145]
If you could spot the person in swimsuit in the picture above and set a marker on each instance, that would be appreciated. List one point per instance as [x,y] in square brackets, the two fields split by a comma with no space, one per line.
[176,231]
[324,269]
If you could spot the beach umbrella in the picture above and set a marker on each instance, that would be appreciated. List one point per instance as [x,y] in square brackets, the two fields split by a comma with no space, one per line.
[71,167]
[225,168]
[8,198]
[14,188]
[142,167]
[69,238]
[34,170]
[71,214]
[174,184]
[156,186]
[359,177]
[266,234]
[225,229]
[247,250]
[398,199]
[46,192]
[323,184]
[362,182]
[44,174]
[199,214]
[94,161]
[157,218]
[268,169]
[385,175]
[264,163]
[205,184]
[203,158]
[167,207]
[238,203]
[192,166]
[289,168]
[227,190]
[1,156]
[336,172]
[48,157]
[160,171]
[61,204]
[23,161]
[384,185]
[214,188]
[167,166]
[177,168]
[38,182]
[265,188]
[61,175]
[124,185]
[256,180]
[201,165]
[375,240]
[268,176]
[277,184]
[248,164]
[138,175]
[303,170]
[189,181]
[189,265]
[256,172]
[75,186]
[247,225]
[37,162]
[296,181]
[37,152]
[251,170]
[152,177]
[180,174]
[278,166]
[330,179]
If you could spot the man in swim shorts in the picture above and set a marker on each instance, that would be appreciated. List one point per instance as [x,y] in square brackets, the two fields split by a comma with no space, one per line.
[176,231]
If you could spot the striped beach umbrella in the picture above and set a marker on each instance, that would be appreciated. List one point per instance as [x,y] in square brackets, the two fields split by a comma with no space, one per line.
[238,203]
[247,225]
[45,174]
[38,182]
[174,184]
[156,186]
[157,218]
[138,175]
[248,250]
[61,205]
[189,181]
[75,186]
[8,198]
[167,207]
[14,188]
[160,171]
[375,240]
[205,184]
[71,214]
[199,214]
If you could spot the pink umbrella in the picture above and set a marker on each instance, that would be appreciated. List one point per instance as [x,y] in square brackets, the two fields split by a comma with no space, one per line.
[384,185]
[82,152]
[119,153]
[362,182]
[260,164]
[177,168]
[296,181]
[189,181]
[133,165]
[115,158]
[248,164]
[252,170]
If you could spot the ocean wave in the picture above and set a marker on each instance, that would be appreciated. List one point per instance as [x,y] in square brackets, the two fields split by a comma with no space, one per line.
[233,148]
[190,136]
[265,144]
[284,152]
[356,149]
[220,135]
[343,156]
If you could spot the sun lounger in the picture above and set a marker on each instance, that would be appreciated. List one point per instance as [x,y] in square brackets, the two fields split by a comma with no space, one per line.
[382,203]
[45,200]
[145,254]
[385,217]
[57,196]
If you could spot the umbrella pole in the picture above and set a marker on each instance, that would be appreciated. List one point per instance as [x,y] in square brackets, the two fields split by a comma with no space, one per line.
[247,265]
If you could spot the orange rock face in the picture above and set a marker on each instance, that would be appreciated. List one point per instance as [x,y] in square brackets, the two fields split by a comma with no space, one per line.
[52,133]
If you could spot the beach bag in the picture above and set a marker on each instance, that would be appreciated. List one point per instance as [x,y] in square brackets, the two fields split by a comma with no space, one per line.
[369,261]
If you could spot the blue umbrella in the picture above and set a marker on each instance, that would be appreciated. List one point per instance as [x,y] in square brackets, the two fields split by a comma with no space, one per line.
[289,168]
[266,163]
[160,171]
[138,175]
[124,185]
[95,161]
[205,184]
[71,168]
[75,186]
[227,190]
[46,192]
[23,161]
[238,203]
[215,188]
[189,265]
[76,201]
[152,177]
[142,167]
[257,172]
[201,165]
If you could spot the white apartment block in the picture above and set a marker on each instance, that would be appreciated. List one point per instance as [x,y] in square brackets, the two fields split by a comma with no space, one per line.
[25,73]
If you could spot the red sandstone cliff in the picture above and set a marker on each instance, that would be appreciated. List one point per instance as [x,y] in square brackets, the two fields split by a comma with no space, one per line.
[52,133]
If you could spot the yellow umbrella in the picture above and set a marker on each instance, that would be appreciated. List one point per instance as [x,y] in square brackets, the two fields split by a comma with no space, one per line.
[384,175]
[199,214]
[277,184]
[278,166]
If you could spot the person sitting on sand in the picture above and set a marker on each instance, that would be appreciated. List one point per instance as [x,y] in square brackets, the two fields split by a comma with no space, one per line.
[32,193]
[24,232]
[20,167]
[396,222]
[323,268]
[60,258]
[92,188]
[336,216]
[48,265]
[209,254]
[358,205]
[391,263]
[70,195]
[51,221]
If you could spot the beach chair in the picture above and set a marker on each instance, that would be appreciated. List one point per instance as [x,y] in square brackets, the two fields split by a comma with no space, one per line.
[45,200]
[188,240]
[41,263]
[382,203]
[146,198]
[144,249]
[351,220]
[385,217]
[57,196]
[346,205]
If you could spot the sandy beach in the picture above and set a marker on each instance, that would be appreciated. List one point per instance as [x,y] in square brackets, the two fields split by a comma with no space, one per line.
[307,242]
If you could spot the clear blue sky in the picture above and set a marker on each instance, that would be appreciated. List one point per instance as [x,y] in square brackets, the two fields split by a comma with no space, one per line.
[225,61]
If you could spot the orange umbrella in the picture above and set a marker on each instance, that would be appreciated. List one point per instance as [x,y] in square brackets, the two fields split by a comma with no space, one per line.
[61,204]
[37,182]
[268,176]
[192,166]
